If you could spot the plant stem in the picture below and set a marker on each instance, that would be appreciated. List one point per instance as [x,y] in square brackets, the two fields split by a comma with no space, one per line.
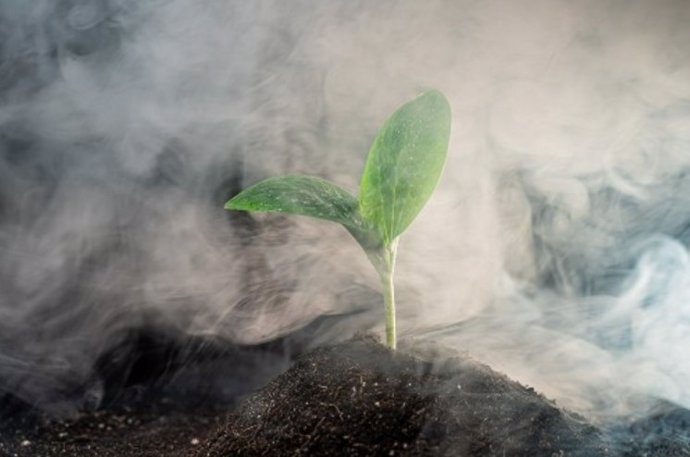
[389,254]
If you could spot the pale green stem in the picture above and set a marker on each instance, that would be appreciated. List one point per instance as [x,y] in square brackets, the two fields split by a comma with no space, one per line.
[389,253]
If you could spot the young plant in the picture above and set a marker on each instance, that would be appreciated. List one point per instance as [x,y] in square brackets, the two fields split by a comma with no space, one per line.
[403,167]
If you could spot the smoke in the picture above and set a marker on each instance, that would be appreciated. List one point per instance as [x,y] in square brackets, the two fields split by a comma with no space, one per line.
[555,247]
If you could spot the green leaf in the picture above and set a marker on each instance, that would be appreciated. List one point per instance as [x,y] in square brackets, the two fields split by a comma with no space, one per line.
[404,164]
[301,195]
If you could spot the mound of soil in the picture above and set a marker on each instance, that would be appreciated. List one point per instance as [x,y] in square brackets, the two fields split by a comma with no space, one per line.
[360,399]
[177,397]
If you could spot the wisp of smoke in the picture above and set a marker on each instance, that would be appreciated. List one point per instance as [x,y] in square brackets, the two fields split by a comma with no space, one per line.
[556,247]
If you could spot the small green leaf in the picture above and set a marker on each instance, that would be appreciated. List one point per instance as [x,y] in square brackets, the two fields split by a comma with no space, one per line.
[301,195]
[404,164]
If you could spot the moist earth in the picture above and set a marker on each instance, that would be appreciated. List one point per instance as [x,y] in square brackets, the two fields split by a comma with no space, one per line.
[360,399]
[351,399]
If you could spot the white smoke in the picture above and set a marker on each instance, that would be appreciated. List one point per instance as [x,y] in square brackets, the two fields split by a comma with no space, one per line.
[555,247]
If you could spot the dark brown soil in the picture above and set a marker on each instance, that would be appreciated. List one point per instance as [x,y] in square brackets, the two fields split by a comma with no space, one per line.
[350,399]
[164,393]
[109,434]
[359,399]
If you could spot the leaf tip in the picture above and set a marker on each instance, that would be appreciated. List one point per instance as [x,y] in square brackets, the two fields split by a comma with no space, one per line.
[231,204]
[437,98]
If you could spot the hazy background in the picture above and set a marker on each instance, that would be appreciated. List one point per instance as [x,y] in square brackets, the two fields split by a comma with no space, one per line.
[555,247]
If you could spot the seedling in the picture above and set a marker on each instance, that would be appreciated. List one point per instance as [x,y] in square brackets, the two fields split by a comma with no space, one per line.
[403,167]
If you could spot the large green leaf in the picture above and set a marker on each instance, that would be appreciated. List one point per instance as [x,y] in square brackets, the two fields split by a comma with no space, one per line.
[404,164]
[301,195]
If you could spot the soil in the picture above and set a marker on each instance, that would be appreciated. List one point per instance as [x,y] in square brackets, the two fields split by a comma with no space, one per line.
[350,399]
[109,434]
[164,393]
[359,399]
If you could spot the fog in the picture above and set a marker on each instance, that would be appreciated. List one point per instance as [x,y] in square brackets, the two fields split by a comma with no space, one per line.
[554,249]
